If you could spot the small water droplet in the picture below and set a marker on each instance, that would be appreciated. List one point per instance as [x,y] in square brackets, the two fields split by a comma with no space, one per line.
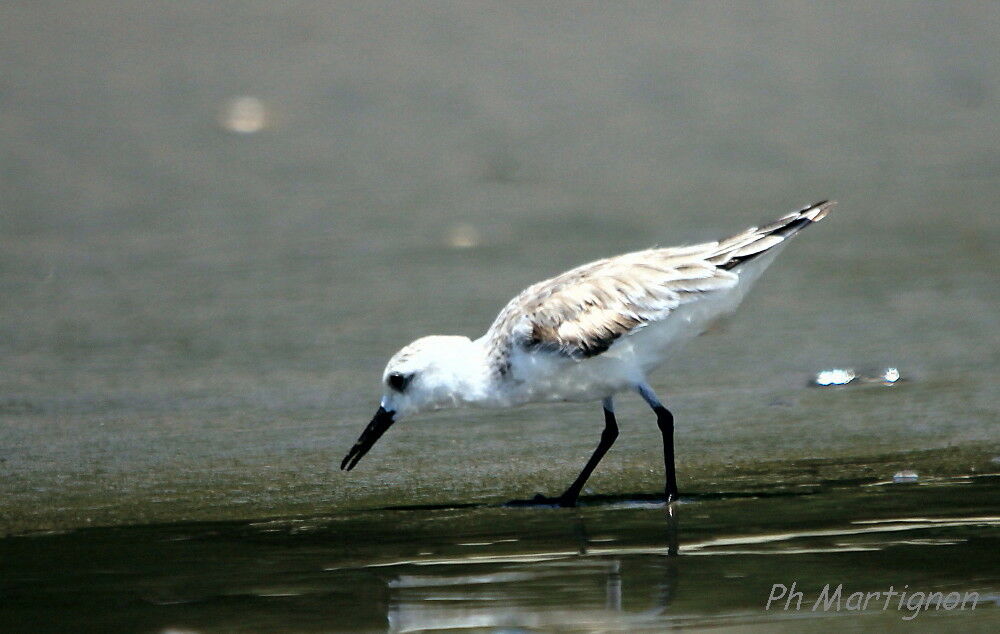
[834,376]
[905,476]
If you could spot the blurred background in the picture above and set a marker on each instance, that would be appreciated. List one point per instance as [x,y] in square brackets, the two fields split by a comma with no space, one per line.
[218,220]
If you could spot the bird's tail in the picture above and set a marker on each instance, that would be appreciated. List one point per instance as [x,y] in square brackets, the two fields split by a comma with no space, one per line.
[756,241]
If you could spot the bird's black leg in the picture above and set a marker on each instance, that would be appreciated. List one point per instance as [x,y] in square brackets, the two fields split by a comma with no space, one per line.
[665,421]
[608,436]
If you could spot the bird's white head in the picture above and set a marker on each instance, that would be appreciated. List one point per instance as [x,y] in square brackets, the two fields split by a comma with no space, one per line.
[431,373]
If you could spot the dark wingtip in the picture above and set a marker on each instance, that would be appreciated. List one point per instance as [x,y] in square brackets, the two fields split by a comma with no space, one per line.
[785,227]
[824,207]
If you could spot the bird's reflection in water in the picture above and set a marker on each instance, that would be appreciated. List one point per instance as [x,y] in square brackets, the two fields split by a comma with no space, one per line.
[595,588]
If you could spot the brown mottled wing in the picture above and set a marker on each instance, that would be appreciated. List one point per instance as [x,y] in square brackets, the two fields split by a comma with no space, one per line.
[582,312]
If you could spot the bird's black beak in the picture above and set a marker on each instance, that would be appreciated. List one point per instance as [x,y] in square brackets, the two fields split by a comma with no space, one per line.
[383,420]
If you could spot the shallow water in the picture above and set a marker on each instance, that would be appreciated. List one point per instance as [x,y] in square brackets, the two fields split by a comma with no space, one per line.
[611,565]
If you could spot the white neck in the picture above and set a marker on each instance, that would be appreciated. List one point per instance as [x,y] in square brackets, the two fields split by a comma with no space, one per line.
[450,372]
[466,375]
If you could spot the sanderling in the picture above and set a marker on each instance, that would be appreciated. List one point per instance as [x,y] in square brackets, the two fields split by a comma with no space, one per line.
[588,334]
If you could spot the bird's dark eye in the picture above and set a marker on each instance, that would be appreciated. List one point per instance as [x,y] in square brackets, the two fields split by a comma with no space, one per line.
[399,381]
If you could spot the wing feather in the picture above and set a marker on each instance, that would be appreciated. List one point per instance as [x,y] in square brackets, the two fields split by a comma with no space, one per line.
[582,312]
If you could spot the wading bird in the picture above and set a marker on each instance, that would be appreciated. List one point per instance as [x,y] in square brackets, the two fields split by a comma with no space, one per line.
[585,335]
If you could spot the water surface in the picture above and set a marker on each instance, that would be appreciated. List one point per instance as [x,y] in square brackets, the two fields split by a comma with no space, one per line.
[611,565]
